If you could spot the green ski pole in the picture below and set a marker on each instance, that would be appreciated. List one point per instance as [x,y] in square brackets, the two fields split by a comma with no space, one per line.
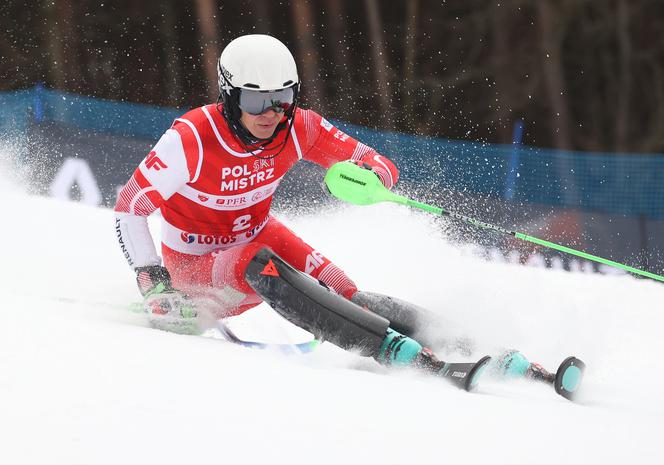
[360,186]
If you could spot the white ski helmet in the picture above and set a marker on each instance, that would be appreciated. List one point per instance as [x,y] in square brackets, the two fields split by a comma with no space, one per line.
[256,73]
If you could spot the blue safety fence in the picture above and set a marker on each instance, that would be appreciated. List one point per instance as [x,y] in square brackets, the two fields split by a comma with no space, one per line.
[622,184]
[20,109]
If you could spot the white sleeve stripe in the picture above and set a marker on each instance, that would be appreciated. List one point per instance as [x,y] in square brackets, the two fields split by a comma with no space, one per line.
[330,273]
[360,151]
[378,158]
[145,204]
[137,198]
[200,147]
[298,149]
[335,278]
[131,198]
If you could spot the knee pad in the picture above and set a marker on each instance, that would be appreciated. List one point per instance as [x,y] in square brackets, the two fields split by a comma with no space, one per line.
[232,294]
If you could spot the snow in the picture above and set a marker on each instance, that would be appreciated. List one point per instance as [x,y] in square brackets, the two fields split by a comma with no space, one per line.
[84,381]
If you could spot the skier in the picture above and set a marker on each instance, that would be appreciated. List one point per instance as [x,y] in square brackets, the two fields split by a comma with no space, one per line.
[213,174]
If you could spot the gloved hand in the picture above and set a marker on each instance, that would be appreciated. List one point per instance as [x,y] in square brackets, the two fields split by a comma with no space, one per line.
[167,307]
[382,167]
[153,279]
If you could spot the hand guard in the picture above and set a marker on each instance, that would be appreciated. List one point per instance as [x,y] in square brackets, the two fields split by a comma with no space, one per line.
[172,311]
[167,308]
[171,303]
[153,279]
[154,283]
[381,167]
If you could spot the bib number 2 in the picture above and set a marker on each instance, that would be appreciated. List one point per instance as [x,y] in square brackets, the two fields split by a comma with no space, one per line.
[241,223]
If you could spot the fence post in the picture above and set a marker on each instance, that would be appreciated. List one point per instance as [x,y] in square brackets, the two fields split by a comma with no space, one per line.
[512,173]
[643,236]
[38,103]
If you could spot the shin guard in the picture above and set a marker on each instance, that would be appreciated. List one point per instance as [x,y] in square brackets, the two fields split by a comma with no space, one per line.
[304,302]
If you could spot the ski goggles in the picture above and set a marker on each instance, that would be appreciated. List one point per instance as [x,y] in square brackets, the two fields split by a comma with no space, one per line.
[256,102]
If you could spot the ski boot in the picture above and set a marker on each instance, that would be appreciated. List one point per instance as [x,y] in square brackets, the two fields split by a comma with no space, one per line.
[566,380]
[401,350]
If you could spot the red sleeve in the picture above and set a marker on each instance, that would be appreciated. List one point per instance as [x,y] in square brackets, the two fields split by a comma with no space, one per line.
[325,145]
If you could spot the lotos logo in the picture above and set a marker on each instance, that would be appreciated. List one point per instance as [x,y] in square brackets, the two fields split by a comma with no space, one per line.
[153,161]
[203,198]
[207,239]
[186,237]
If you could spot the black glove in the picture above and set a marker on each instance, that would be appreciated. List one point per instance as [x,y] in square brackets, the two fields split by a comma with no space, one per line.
[153,279]
[161,299]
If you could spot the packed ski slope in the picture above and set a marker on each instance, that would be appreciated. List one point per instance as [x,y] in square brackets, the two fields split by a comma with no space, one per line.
[84,381]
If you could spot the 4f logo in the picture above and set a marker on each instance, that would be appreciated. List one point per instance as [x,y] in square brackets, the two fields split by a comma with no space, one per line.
[342,136]
[153,161]
[314,260]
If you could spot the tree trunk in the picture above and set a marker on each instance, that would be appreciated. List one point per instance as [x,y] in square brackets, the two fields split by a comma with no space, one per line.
[54,43]
[503,78]
[262,15]
[624,77]
[408,83]
[207,11]
[554,79]
[554,82]
[342,98]
[169,37]
[303,21]
[383,96]
[63,48]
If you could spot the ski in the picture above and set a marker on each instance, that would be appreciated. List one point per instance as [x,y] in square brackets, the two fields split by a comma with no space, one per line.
[229,336]
[299,348]
[464,375]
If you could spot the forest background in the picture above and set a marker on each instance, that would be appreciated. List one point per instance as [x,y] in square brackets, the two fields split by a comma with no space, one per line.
[580,74]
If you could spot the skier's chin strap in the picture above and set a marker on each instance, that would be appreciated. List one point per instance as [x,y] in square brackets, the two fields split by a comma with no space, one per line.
[304,302]
[249,142]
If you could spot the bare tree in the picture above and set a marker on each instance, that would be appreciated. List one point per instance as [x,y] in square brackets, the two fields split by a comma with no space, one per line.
[340,50]
[206,11]
[552,66]
[624,76]
[262,13]
[54,45]
[409,63]
[380,66]
[169,37]
[502,65]
[303,20]
[554,81]
[63,44]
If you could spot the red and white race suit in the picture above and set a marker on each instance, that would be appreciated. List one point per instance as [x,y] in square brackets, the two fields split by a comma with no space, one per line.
[215,201]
